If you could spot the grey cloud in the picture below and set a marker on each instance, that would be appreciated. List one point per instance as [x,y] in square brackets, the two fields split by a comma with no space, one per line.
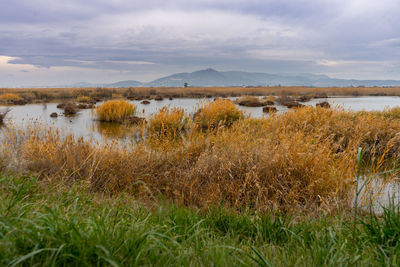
[180,35]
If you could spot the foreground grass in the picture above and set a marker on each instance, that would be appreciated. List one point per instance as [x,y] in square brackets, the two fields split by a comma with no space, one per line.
[48,225]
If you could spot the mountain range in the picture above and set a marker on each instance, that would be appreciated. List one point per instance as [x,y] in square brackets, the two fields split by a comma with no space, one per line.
[211,77]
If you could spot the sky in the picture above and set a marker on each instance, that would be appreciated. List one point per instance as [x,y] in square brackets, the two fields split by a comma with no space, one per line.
[56,42]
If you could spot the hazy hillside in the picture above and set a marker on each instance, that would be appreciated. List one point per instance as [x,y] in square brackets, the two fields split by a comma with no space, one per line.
[211,77]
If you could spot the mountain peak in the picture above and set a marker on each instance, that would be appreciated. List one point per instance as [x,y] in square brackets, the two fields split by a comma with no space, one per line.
[209,70]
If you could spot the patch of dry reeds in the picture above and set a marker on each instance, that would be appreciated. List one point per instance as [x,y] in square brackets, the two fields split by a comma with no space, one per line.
[302,159]
[250,101]
[167,122]
[84,99]
[115,111]
[9,97]
[13,99]
[50,94]
[220,111]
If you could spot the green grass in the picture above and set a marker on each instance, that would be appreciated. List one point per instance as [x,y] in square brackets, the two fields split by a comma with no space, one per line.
[51,225]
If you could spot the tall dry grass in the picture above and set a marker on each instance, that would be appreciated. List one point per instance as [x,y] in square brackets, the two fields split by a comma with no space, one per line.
[250,101]
[83,99]
[115,111]
[220,111]
[302,159]
[9,97]
[168,122]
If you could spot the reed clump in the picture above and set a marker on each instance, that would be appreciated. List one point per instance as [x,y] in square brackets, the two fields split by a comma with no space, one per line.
[218,112]
[69,108]
[115,111]
[28,96]
[84,99]
[250,101]
[10,98]
[304,98]
[168,122]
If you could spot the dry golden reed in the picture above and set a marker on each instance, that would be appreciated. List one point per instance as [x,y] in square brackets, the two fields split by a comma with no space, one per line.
[4,98]
[303,159]
[220,111]
[167,122]
[83,99]
[115,110]
[250,101]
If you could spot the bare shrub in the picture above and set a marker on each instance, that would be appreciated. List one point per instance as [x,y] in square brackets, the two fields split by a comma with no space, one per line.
[70,109]
[3,114]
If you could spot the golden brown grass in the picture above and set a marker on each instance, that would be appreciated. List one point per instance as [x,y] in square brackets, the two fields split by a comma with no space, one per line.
[269,98]
[250,101]
[50,94]
[303,159]
[167,122]
[83,99]
[8,97]
[220,111]
[115,111]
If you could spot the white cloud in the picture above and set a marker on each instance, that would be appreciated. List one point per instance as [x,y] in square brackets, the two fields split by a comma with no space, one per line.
[6,64]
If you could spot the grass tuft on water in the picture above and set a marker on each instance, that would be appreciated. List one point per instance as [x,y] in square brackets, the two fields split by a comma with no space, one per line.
[115,111]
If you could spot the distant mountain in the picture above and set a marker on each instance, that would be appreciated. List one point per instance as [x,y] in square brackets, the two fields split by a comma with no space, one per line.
[121,84]
[129,83]
[207,77]
[211,77]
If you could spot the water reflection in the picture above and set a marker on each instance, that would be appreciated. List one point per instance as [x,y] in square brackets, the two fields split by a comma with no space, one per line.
[116,130]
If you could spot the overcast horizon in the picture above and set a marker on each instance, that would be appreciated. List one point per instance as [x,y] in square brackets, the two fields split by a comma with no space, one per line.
[46,42]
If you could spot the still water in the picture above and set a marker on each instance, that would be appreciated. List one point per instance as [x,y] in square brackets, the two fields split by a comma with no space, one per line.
[84,124]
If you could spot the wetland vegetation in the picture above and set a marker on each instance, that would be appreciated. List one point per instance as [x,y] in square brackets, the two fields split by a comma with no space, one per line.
[214,186]
[39,95]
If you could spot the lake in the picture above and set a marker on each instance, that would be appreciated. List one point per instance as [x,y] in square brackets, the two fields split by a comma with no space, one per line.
[84,124]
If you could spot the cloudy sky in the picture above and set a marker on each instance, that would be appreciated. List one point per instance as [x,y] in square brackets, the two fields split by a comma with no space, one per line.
[53,42]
